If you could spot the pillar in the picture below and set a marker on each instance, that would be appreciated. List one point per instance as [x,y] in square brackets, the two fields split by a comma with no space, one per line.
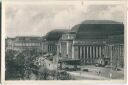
[80,52]
[111,54]
[67,48]
[84,54]
[87,54]
[100,51]
[105,50]
[94,52]
[73,52]
[90,59]
[116,55]
[118,63]
[76,52]
[87,51]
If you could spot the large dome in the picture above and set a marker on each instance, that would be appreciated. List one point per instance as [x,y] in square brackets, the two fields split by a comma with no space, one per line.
[97,29]
[55,34]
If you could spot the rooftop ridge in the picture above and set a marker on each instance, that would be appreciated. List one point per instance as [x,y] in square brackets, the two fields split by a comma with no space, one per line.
[100,22]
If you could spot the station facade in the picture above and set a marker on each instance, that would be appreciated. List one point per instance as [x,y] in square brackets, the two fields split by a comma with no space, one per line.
[92,40]
[87,41]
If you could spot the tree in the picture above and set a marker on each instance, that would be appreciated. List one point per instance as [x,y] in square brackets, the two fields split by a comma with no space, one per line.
[11,65]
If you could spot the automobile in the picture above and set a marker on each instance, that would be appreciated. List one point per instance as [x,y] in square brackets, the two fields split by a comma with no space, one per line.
[86,70]
[99,62]
[71,69]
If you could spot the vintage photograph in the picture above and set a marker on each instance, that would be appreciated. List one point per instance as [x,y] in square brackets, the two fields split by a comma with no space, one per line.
[0,38]
[64,41]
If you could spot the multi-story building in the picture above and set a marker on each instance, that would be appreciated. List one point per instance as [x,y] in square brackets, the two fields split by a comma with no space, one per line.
[52,39]
[93,39]
[87,42]
[22,43]
[9,43]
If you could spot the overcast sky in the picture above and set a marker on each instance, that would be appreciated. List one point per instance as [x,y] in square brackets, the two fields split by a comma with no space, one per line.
[37,19]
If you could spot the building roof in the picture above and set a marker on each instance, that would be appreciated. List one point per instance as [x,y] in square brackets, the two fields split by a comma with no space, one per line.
[55,34]
[28,39]
[100,22]
[97,29]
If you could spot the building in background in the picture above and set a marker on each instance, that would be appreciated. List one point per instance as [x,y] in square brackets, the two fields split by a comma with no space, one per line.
[52,39]
[23,43]
[89,41]
[92,40]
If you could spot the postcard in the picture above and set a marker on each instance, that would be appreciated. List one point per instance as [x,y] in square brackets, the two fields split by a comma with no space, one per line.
[63,41]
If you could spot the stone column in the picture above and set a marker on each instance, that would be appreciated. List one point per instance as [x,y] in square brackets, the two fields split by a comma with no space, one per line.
[80,52]
[84,54]
[100,51]
[105,52]
[108,52]
[76,52]
[87,51]
[111,55]
[96,52]
[118,56]
[123,50]
[73,52]
[67,48]
[90,51]
[93,51]
[119,51]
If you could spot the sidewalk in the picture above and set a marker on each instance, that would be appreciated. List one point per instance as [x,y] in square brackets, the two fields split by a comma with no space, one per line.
[86,75]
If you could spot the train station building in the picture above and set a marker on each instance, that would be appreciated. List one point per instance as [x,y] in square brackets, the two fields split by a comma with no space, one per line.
[93,39]
[87,42]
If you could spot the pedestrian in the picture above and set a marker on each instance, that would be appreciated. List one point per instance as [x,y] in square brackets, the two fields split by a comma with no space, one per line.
[99,72]
[110,75]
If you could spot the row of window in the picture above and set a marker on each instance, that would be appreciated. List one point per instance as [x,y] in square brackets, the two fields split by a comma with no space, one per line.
[27,44]
[90,41]
[52,47]
[68,36]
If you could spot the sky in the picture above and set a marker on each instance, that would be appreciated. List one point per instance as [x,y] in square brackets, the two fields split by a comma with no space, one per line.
[38,19]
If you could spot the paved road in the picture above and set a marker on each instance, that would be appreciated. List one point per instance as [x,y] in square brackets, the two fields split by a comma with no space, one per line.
[106,72]
[86,75]
[81,75]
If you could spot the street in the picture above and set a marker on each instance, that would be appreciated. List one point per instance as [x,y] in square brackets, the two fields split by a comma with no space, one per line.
[94,73]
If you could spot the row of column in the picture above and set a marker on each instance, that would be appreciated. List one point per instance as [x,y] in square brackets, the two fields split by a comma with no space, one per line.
[89,53]
[117,55]
[52,48]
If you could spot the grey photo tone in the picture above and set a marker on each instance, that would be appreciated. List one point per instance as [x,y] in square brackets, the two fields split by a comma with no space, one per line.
[64,42]
[0,38]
